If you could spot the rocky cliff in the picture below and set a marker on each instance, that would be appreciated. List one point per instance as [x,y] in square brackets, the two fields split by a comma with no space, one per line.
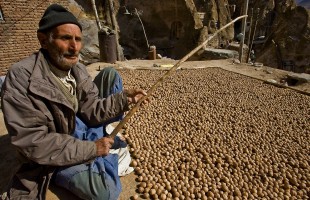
[282,33]
[281,29]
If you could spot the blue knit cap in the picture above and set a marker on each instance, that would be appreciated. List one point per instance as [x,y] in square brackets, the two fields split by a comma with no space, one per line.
[56,15]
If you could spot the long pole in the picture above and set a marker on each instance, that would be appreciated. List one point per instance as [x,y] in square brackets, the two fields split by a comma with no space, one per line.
[114,24]
[249,36]
[253,35]
[167,74]
[96,14]
[250,31]
[245,8]
[147,42]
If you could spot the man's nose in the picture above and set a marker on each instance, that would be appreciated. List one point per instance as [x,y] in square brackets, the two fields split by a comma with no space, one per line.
[73,44]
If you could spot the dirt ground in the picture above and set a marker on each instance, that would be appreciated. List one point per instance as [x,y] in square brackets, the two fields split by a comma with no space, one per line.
[9,164]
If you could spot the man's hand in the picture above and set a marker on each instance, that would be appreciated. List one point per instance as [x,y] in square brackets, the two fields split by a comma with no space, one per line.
[134,95]
[103,146]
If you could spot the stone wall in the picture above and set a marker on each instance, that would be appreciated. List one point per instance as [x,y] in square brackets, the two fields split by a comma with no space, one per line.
[18,30]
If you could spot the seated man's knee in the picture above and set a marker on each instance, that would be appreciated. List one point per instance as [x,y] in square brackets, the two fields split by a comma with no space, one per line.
[89,185]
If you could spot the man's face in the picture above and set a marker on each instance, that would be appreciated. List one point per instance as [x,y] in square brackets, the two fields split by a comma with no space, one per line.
[63,45]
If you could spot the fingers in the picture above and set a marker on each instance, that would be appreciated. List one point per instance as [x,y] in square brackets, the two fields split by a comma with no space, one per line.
[103,146]
[139,97]
[135,92]
[135,95]
[140,94]
[144,93]
[139,91]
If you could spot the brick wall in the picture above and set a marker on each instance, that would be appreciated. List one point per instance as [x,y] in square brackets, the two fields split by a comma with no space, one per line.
[18,31]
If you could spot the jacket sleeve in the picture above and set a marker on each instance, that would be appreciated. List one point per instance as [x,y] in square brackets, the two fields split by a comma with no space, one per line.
[30,127]
[95,110]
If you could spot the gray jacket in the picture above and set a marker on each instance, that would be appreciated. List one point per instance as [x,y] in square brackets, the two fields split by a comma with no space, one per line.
[40,122]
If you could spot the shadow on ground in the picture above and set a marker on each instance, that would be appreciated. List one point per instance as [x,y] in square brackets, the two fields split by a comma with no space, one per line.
[9,163]
[60,193]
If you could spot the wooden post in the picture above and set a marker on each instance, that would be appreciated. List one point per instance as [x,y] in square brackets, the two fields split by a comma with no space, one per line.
[249,36]
[114,25]
[253,35]
[245,8]
[250,31]
[96,14]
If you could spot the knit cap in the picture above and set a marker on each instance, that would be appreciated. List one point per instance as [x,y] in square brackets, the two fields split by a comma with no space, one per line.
[56,15]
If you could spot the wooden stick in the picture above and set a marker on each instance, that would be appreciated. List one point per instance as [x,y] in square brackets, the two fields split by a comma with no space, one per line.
[96,14]
[114,25]
[252,39]
[168,73]
[244,25]
[250,31]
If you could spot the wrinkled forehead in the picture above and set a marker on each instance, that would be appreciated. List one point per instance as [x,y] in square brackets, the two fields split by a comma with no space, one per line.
[67,29]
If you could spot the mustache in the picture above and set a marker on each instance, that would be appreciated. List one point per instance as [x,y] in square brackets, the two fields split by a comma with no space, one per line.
[70,53]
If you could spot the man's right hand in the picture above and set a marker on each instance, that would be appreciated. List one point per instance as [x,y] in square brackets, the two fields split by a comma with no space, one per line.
[103,146]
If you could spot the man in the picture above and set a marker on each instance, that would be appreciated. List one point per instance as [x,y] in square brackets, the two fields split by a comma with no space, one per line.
[41,97]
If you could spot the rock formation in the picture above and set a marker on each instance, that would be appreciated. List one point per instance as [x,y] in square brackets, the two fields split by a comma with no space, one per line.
[281,29]
[282,33]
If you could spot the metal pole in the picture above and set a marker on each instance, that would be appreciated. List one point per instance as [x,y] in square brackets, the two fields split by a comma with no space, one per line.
[245,8]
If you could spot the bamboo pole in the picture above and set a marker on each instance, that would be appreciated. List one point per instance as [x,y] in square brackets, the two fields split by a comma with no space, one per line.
[168,73]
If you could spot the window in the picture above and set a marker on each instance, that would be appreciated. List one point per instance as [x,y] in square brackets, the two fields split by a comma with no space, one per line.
[1,15]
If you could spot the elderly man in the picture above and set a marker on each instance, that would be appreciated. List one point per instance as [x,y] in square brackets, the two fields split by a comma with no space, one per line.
[41,98]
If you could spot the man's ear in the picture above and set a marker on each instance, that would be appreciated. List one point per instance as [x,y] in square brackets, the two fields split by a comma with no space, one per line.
[43,39]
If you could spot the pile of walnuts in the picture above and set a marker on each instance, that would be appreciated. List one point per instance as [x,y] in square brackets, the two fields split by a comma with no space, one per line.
[210,133]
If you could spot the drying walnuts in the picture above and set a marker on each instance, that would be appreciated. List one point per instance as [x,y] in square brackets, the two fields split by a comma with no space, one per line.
[209,133]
